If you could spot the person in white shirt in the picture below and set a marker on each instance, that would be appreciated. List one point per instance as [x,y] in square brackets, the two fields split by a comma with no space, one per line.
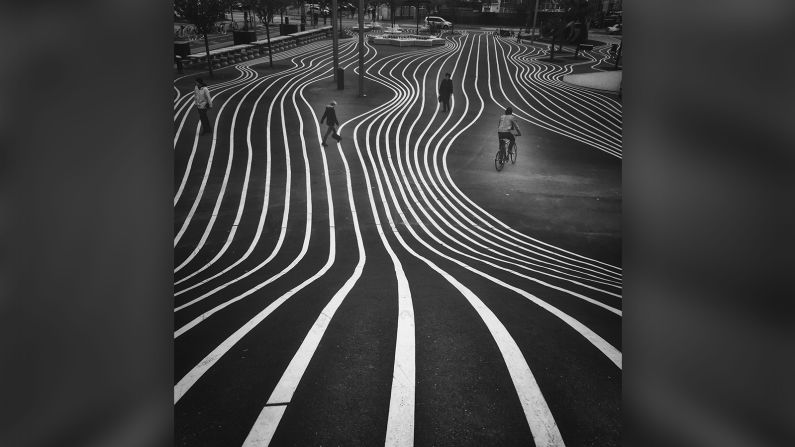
[507,123]
[203,103]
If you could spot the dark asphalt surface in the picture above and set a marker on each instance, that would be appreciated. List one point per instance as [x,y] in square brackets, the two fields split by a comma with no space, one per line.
[561,191]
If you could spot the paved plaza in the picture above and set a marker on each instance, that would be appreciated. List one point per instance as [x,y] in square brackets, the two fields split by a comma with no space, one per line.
[393,288]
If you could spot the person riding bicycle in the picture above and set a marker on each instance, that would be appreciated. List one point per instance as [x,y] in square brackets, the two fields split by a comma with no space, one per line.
[507,123]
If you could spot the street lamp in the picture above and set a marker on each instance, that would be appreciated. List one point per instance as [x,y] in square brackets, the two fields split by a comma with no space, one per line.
[418,17]
[335,37]
[535,14]
[361,48]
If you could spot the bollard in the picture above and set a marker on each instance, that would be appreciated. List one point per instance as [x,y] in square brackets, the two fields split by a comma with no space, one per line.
[340,79]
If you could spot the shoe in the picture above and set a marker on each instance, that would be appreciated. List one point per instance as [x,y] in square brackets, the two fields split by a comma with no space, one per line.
[324,144]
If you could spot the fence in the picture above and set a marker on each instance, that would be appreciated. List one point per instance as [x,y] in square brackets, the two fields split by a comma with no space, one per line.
[235,54]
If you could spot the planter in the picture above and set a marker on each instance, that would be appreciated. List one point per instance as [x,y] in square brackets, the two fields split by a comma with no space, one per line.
[182,48]
[242,37]
[286,29]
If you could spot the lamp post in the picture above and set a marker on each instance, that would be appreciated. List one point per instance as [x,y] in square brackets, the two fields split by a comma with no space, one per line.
[335,42]
[269,17]
[361,48]
[418,17]
[535,14]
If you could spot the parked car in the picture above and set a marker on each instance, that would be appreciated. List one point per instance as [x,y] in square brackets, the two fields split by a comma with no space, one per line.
[435,22]
[615,29]
[316,9]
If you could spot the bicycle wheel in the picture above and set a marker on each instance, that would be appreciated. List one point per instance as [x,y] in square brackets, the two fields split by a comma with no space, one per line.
[499,162]
[514,153]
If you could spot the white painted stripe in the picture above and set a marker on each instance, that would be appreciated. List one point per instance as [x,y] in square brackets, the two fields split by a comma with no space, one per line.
[202,367]
[221,195]
[190,163]
[268,420]
[408,202]
[433,206]
[273,253]
[294,262]
[556,125]
[209,162]
[608,350]
[544,98]
[265,426]
[515,236]
[538,415]
[400,421]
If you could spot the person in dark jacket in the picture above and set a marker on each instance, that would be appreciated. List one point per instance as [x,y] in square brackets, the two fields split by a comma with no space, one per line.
[330,117]
[445,91]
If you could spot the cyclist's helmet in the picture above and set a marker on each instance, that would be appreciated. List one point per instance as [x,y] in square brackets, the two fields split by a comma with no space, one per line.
[509,111]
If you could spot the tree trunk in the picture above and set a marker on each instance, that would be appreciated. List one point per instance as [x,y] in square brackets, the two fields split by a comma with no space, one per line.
[268,33]
[207,47]
[361,48]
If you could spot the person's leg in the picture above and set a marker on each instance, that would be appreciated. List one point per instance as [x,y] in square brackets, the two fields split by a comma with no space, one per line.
[205,121]
[504,136]
[336,135]
[513,142]
[447,103]
[328,132]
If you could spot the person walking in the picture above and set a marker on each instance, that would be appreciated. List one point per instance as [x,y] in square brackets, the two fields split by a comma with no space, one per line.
[330,117]
[445,91]
[203,103]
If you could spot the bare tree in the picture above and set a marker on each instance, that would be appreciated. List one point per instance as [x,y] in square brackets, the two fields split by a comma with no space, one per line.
[202,14]
[265,9]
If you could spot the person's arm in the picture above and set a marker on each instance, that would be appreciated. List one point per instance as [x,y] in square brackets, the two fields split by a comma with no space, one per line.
[206,92]
[322,118]
[516,126]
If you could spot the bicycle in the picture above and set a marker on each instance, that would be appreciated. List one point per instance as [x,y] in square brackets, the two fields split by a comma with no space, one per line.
[501,157]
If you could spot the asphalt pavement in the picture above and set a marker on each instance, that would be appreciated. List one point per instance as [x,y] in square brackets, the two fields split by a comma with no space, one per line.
[395,288]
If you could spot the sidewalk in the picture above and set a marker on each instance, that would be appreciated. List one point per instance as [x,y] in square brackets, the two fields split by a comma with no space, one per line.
[609,81]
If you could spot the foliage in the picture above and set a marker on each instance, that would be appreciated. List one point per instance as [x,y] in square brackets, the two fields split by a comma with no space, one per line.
[266,9]
[201,13]
[435,5]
